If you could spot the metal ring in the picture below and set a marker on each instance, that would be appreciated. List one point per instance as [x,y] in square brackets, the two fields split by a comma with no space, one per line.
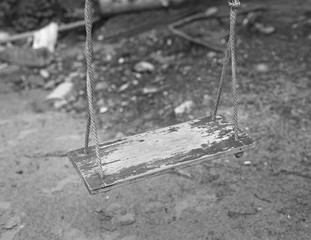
[234,3]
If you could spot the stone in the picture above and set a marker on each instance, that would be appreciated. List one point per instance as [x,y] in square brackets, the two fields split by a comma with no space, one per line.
[185,107]
[262,68]
[13,222]
[127,219]
[143,67]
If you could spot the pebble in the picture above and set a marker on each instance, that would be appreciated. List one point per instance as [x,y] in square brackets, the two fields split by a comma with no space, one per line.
[124,87]
[248,163]
[211,54]
[185,107]
[4,35]
[267,30]
[61,91]
[44,73]
[211,11]
[103,110]
[13,222]
[144,67]
[120,135]
[150,90]
[262,68]
[100,86]
[126,219]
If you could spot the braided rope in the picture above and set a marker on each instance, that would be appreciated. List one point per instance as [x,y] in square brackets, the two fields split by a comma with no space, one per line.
[233,15]
[222,78]
[91,123]
[230,51]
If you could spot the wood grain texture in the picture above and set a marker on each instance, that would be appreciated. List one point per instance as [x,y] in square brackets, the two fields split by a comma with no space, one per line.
[151,153]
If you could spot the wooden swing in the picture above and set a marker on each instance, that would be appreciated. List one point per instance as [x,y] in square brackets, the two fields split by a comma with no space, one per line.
[130,159]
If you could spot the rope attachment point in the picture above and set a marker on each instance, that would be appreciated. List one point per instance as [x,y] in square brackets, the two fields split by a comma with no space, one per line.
[234,3]
[230,54]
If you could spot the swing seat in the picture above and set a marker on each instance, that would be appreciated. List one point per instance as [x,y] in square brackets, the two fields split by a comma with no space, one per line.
[141,156]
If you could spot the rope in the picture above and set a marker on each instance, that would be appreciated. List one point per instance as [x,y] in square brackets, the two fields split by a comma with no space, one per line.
[233,13]
[222,78]
[230,51]
[91,123]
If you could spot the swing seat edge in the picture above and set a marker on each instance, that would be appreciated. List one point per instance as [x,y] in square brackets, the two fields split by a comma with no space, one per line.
[130,159]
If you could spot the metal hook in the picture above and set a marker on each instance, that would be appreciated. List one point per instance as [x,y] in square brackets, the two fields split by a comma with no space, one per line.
[234,3]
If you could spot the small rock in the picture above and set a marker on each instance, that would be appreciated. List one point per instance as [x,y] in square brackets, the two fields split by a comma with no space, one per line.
[211,11]
[61,91]
[120,135]
[135,82]
[60,103]
[250,19]
[13,222]
[211,54]
[150,90]
[49,85]
[267,30]
[262,68]
[46,37]
[144,67]
[124,87]
[44,73]
[100,86]
[207,100]
[185,107]
[127,219]
[164,3]
[103,110]
[247,163]
[4,36]
[121,60]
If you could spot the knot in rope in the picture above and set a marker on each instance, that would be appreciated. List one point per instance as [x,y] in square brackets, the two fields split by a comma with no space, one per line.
[234,3]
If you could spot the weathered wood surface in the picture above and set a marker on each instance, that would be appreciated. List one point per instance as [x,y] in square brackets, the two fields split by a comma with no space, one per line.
[151,153]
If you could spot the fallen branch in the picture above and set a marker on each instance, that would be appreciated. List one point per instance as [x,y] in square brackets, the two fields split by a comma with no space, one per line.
[171,18]
[261,198]
[294,173]
[62,28]
[206,15]
[195,40]
[112,7]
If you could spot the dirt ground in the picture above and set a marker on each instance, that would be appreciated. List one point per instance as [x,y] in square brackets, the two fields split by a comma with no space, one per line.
[263,195]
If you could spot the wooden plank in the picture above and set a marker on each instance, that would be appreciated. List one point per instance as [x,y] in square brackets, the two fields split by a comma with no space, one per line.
[151,153]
